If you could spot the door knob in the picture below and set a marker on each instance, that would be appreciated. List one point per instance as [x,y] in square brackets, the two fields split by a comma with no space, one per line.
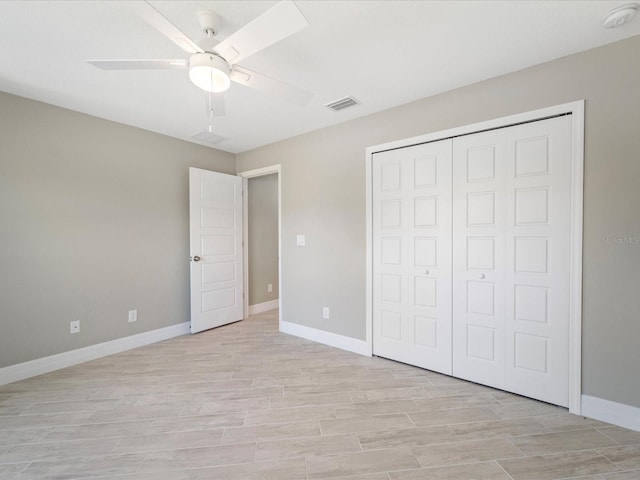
[196,258]
[426,272]
[481,275]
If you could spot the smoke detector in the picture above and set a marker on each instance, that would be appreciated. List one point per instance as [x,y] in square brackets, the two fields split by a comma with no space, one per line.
[620,16]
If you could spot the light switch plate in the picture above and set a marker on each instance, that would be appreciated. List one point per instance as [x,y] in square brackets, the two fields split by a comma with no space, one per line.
[300,240]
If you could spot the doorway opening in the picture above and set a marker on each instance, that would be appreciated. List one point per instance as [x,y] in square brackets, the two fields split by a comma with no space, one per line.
[262,227]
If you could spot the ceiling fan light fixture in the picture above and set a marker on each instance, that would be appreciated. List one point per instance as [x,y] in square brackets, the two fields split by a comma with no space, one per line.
[209,72]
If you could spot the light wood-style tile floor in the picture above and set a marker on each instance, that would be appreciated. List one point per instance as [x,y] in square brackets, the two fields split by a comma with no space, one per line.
[247,402]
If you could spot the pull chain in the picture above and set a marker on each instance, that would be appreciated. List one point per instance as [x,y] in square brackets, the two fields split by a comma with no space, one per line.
[210,114]
[211,103]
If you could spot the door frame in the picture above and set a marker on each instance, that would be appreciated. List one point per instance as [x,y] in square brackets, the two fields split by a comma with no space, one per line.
[246,175]
[576,109]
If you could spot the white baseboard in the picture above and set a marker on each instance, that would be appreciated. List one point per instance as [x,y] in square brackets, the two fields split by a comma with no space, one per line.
[326,338]
[619,414]
[39,366]
[263,307]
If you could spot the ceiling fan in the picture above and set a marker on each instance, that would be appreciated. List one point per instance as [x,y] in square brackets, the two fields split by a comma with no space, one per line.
[213,69]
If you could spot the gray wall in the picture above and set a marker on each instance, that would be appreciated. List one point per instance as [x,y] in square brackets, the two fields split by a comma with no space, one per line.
[323,196]
[263,238]
[93,222]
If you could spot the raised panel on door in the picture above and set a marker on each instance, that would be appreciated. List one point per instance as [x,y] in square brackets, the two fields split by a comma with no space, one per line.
[390,256]
[478,257]
[412,255]
[538,255]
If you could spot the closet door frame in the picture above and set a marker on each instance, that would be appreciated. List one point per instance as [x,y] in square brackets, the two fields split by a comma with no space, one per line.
[576,110]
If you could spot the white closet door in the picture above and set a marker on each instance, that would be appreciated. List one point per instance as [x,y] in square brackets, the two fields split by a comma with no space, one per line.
[412,255]
[479,258]
[538,259]
[511,258]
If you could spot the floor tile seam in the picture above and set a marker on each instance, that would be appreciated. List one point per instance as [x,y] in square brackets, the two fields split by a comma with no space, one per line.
[412,421]
[598,429]
[445,409]
[534,416]
[32,403]
[168,449]
[459,441]
[267,425]
[619,466]
[471,462]
[67,412]
[508,439]
[121,438]
[360,407]
[277,423]
[28,464]
[467,407]
[573,428]
[559,454]
[65,458]
[466,463]
[144,459]
[273,439]
[309,405]
[454,423]
[503,469]
[19,462]
[11,445]
[632,470]
[570,430]
[255,451]
[596,450]
[57,442]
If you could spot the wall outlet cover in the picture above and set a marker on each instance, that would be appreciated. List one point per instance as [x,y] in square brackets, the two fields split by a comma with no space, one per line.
[325,312]
[133,315]
[74,327]
[300,240]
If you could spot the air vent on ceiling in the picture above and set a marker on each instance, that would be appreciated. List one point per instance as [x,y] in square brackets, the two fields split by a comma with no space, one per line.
[208,137]
[341,104]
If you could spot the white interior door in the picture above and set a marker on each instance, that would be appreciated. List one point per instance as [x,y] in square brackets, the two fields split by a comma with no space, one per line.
[479,258]
[538,255]
[512,238]
[215,218]
[412,255]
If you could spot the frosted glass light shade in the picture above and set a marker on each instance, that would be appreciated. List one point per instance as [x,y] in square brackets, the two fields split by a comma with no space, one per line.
[209,72]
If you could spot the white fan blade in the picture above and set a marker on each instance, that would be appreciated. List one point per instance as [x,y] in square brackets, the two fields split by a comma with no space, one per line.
[157,20]
[275,24]
[179,63]
[251,79]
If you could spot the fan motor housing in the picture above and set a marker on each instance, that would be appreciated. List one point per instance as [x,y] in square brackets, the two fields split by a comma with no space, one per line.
[209,22]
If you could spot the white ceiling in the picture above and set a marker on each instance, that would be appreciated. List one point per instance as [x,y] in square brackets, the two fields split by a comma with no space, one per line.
[383,53]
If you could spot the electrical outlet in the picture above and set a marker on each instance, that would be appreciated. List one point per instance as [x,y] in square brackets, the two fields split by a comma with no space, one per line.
[74,327]
[133,315]
[269,287]
[325,312]
[301,241]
